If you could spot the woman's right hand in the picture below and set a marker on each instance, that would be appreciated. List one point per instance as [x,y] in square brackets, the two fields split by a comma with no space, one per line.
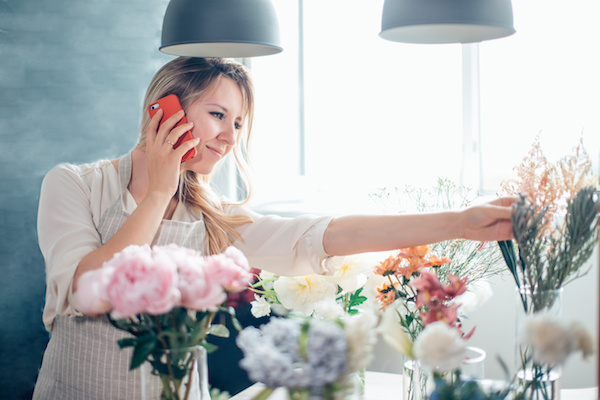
[164,162]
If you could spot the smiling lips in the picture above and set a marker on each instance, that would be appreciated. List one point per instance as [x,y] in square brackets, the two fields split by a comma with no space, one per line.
[217,152]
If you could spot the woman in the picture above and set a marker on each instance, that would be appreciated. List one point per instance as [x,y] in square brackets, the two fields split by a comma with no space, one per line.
[89,212]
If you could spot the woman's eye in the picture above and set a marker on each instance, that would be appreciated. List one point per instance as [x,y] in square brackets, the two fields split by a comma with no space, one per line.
[238,126]
[217,114]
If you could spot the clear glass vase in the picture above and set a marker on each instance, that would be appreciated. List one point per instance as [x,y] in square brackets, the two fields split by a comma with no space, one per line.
[176,374]
[349,388]
[537,382]
[415,381]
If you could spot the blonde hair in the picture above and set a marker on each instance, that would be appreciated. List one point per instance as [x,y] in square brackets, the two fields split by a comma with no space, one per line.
[190,79]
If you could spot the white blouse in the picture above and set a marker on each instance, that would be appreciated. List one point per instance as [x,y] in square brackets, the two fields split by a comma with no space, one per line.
[73,198]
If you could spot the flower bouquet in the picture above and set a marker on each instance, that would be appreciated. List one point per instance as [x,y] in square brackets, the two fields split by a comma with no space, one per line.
[421,315]
[166,297]
[339,297]
[325,295]
[310,357]
[555,227]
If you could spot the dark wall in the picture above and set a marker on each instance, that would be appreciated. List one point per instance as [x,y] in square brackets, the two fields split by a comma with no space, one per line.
[72,78]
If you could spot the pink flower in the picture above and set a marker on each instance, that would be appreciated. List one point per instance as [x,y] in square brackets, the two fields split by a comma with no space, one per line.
[230,269]
[431,289]
[142,282]
[440,312]
[237,256]
[90,297]
[199,290]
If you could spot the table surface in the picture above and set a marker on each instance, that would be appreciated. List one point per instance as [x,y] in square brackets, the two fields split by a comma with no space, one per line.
[382,385]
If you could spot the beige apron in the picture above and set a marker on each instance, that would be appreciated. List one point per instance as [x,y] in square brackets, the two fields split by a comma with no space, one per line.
[82,360]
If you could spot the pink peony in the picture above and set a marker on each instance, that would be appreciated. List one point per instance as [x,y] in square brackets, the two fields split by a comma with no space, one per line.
[237,256]
[230,270]
[90,297]
[199,291]
[142,282]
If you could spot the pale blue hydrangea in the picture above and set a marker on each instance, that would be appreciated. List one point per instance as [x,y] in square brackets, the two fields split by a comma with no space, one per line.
[327,352]
[272,353]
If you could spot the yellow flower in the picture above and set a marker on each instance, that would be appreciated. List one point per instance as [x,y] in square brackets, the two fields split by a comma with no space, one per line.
[352,273]
[303,293]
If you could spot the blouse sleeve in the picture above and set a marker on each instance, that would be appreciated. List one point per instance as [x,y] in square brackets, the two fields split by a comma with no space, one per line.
[285,246]
[66,233]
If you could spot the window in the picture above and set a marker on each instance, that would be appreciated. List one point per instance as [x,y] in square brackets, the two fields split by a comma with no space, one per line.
[341,112]
[543,80]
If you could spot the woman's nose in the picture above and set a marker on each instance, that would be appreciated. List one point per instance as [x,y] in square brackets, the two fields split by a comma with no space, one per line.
[228,135]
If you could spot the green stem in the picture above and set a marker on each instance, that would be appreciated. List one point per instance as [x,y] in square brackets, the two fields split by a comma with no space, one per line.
[171,377]
[264,394]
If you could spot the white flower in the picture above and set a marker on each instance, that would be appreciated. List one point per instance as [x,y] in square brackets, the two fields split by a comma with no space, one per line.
[352,273]
[551,340]
[440,347]
[267,276]
[361,338]
[260,307]
[392,332]
[302,293]
[329,309]
[478,292]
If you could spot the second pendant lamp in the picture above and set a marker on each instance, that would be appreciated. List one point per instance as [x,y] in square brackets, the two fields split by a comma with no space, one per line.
[446,21]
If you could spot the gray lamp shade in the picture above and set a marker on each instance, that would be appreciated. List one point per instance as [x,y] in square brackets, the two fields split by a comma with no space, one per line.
[446,21]
[220,28]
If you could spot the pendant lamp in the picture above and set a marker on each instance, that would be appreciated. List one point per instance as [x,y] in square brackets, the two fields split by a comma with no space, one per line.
[446,21]
[220,28]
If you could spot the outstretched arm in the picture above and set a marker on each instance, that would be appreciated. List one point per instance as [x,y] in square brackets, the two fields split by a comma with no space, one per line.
[360,234]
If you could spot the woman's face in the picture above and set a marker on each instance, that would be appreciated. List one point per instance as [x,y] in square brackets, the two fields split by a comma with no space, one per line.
[217,121]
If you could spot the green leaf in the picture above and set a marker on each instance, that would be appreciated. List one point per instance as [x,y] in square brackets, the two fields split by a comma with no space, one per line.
[219,330]
[144,347]
[508,252]
[210,348]
[236,324]
[127,342]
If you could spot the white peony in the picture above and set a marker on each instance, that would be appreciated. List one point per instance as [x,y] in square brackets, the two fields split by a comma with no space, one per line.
[440,347]
[302,293]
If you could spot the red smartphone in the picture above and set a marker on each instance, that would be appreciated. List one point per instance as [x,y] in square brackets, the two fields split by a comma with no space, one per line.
[170,105]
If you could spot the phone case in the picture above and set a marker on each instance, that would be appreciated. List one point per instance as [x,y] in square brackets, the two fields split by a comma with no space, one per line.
[170,105]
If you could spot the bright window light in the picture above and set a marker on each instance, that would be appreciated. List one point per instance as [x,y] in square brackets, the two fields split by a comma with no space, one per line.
[342,113]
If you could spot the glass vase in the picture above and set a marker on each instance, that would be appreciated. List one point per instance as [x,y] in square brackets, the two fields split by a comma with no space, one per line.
[473,366]
[536,381]
[415,381]
[176,374]
[349,388]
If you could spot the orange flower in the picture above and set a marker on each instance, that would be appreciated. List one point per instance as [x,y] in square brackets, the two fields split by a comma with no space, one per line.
[389,266]
[414,252]
[386,294]
[435,261]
